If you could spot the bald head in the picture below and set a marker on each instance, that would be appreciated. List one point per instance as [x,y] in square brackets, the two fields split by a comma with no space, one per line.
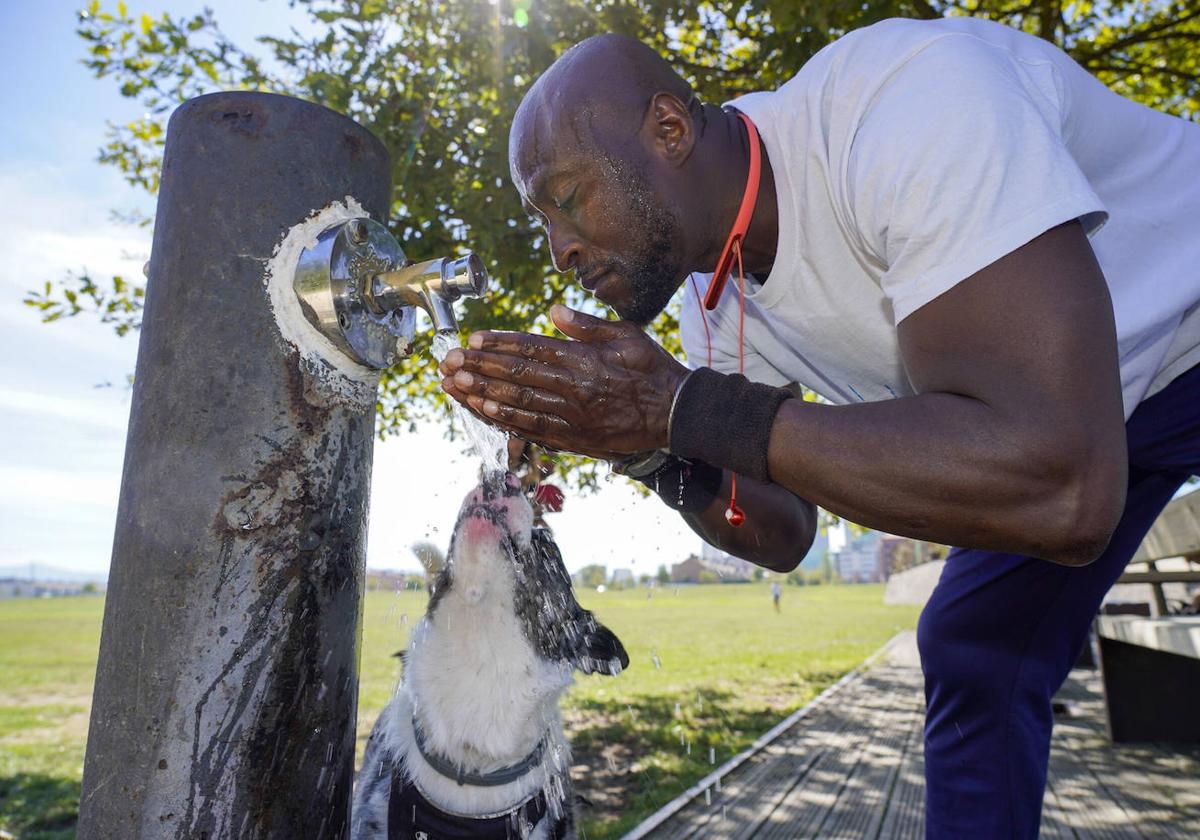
[594,97]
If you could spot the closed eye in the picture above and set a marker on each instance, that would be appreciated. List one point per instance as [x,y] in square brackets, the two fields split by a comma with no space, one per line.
[567,204]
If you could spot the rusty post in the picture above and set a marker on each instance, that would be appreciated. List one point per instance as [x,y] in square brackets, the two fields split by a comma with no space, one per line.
[225,694]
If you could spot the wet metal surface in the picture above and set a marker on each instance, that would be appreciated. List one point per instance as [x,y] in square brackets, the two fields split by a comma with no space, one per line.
[225,694]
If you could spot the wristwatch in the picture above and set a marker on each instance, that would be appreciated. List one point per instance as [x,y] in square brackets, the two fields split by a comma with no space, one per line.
[642,464]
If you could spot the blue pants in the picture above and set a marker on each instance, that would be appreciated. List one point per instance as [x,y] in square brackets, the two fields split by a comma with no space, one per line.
[1001,631]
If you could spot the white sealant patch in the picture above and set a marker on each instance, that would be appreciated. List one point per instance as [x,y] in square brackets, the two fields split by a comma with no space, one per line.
[319,357]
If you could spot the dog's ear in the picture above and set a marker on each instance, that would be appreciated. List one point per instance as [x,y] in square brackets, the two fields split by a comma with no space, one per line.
[602,652]
[546,549]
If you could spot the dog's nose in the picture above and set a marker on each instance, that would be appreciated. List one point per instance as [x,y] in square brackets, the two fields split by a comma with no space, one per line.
[499,485]
[494,486]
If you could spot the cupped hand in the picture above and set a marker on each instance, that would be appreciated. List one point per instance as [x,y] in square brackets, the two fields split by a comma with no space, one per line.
[605,391]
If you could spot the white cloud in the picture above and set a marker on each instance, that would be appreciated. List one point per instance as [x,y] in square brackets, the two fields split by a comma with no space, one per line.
[64,488]
[47,228]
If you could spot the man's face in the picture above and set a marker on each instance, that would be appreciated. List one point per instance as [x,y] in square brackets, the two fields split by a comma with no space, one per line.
[604,220]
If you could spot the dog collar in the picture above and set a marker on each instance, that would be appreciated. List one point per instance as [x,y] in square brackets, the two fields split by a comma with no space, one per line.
[493,779]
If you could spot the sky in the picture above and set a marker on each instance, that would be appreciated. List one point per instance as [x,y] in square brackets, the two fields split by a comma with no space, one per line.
[64,401]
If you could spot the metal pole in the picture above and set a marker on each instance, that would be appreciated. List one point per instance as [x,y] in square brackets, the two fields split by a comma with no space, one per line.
[226,689]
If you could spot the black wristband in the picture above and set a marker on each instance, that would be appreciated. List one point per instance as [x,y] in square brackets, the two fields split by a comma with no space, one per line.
[685,486]
[725,420]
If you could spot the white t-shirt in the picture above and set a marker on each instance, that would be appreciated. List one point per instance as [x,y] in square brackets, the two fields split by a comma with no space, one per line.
[909,155]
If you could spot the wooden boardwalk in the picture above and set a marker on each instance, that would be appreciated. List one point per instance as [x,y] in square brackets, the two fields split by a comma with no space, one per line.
[851,767]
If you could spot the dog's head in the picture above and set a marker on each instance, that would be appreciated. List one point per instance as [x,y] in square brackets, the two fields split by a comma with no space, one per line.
[499,562]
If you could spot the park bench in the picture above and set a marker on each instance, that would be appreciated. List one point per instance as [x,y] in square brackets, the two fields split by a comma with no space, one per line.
[1151,664]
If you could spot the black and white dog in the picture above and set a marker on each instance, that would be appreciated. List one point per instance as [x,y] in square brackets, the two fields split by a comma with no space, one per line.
[471,745]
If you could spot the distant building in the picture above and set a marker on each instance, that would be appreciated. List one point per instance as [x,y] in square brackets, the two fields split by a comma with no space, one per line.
[858,562]
[873,557]
[623,577]
[688,571]
[725,567]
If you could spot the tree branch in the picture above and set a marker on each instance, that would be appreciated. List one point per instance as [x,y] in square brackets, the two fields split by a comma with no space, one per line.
[1136,37]
[1049,19]
[1131,67]
[924,10]
[705,69]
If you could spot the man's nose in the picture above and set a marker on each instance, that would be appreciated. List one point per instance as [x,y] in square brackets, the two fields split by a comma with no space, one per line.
[565,249]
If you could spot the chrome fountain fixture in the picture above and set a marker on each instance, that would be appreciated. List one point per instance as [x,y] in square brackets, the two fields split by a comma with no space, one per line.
[357,287]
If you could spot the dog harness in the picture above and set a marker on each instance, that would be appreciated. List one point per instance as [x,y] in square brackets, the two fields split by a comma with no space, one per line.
[413,817]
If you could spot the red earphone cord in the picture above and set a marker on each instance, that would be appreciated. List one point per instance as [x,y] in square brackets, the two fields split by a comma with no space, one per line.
[733,250]
[734,515]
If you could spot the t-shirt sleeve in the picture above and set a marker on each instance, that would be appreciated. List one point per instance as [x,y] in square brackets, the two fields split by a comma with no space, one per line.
[957,161]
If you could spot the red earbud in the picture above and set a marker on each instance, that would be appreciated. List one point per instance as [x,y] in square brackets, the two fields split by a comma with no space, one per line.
[734,515]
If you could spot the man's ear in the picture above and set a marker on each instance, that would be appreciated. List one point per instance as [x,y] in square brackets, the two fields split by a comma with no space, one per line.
[602,652]
[670,128]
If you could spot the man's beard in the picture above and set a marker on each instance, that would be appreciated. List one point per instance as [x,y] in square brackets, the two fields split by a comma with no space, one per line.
[649,264]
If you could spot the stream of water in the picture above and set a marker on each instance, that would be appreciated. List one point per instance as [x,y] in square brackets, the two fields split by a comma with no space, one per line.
[489,443]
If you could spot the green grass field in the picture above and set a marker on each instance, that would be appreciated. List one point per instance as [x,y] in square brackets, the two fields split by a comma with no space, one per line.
[712,668]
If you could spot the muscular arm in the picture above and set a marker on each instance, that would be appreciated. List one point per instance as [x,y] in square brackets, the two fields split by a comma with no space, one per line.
[1015,440]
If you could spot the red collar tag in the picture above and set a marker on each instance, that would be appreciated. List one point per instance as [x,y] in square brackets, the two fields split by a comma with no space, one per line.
[741,223]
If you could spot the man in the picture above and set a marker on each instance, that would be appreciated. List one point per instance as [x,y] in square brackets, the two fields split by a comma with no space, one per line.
[988,265]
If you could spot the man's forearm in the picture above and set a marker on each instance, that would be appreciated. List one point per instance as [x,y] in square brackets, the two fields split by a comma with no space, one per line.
[953,470]
[778,531]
